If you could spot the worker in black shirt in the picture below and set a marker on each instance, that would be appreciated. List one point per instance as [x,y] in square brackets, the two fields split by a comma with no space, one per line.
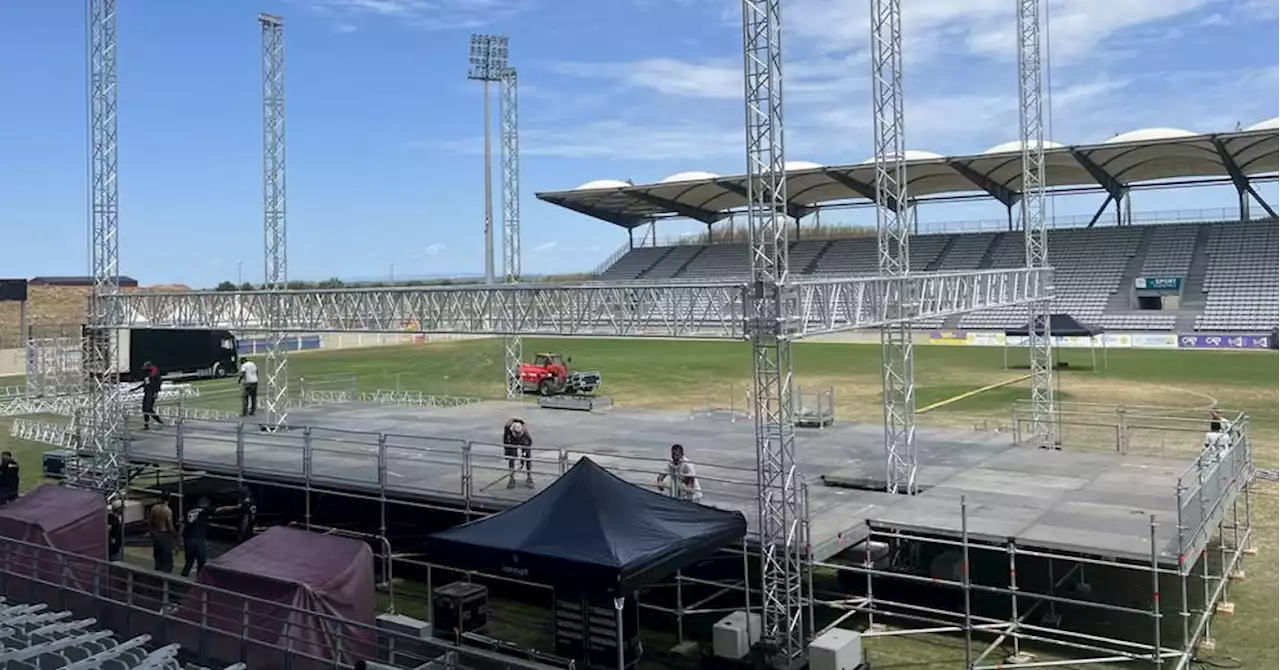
[150,388]
[115,533]
[517,442]
[248,510]
[9,480]
[195,536]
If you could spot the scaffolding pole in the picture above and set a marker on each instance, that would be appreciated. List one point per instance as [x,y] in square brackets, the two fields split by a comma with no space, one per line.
[893,236]
[274,230]
[768,325]
[1034,233]
[100,467]
[509,110]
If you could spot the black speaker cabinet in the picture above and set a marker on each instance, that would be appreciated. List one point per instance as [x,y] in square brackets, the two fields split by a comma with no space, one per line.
[587,631]
[459,606]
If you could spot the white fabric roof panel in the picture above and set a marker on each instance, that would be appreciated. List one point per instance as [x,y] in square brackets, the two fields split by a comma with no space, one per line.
[1148,156]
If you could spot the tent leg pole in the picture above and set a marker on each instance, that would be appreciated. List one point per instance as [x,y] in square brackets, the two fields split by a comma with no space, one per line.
[430,594]
[679,608]
[618,604]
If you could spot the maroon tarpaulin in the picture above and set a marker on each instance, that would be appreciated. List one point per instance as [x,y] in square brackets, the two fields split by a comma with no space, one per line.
[66,519]
[318,592]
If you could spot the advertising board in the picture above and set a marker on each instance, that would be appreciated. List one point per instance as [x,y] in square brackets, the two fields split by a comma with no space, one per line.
[1223,341]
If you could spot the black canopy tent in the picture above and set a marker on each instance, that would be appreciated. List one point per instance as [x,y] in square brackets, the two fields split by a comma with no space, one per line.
[1060,325]
[590,535]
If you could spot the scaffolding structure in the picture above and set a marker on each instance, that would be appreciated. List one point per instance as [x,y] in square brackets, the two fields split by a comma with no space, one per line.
[509,110]
[1034,224]
[1022,596]
[274,229]
[894,226]
[97,465]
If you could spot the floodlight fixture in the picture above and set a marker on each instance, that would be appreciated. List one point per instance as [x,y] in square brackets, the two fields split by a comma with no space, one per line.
[488,58]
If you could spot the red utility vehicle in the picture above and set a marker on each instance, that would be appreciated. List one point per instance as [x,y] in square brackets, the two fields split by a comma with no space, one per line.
[549,375]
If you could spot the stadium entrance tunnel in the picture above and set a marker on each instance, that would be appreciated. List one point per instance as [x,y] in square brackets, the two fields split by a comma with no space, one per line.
[861,483]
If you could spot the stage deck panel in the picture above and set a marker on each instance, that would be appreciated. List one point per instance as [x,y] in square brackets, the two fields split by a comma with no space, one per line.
[1087,503]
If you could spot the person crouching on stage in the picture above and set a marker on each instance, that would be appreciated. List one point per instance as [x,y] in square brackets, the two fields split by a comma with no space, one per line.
[518,443]
[150,388]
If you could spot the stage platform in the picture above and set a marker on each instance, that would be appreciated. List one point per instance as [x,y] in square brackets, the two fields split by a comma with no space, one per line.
[1093,504]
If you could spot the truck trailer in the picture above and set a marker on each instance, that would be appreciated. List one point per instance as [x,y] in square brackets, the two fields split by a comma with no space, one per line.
[179,353]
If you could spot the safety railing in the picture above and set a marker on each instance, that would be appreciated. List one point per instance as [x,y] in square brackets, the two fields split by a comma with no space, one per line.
[219,626]
[458,474]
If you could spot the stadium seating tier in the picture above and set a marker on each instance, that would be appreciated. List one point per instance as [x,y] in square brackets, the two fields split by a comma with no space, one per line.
[1229,271]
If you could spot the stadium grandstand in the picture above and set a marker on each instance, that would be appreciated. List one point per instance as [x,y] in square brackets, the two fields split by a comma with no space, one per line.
[1183,276]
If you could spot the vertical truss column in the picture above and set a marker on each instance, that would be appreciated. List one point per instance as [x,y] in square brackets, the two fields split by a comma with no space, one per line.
[99,465]
[1031,124]
[767,325]
[893,236]
[273,214]
[509,110]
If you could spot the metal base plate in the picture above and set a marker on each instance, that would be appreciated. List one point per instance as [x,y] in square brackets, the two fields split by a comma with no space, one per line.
[581,403]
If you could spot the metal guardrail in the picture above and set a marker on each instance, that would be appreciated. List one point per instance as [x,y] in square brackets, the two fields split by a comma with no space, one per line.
[216,625]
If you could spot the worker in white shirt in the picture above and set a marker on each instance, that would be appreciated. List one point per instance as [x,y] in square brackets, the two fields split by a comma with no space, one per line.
[1218,440]
[248,388]
[684,478]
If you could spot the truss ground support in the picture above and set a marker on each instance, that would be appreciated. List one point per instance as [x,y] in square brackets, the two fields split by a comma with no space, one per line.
[55,366]
[276,268]
[893,237]
[509,111]
[770,315]
[710,310]
[98,466]
[1034,224]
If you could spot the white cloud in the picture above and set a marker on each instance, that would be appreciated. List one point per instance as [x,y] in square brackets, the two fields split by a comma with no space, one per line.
[434,249]
[544,247]
[428,14]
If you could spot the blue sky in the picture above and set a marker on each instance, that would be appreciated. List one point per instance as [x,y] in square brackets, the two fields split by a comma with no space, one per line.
[383,128]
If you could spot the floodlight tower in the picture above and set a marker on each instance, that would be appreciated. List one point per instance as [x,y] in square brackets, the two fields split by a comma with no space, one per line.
[509,111]
[103,470]
[893,236]
[487,63]
[769,326]
[276,267]
[1034,232]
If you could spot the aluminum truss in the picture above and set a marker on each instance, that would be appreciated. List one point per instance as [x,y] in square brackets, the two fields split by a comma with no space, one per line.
[55,366]
[1035,238]
[893,236]
[769,325]
[711,310]
[99,466]
[509,111]
[273,217]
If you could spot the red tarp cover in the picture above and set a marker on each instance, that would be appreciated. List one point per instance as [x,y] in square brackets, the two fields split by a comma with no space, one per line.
[302,575]
[62,518]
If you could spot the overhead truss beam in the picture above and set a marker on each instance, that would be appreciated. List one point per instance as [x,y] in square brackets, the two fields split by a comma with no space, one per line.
[274,230]
[711,310]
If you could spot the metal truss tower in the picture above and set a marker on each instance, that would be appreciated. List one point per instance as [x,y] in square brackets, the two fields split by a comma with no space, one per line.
[893,235]
[509,110]
[100,466]
[1035,238]
[768,326]
[276,266]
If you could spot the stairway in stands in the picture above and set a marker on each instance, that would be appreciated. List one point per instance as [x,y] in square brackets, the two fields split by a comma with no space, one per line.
[1193,297]
[989,255]
[1120,301]
[946,248]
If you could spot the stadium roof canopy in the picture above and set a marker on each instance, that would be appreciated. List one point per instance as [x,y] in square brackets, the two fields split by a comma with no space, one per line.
[1140,156]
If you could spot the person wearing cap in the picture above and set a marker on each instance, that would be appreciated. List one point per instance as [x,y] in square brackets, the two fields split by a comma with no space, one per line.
[684,478]
[518,443]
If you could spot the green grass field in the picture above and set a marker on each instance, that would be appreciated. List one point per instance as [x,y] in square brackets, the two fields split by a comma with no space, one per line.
[681,375]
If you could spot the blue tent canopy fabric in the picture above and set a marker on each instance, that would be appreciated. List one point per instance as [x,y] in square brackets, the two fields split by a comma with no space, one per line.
[589,534]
